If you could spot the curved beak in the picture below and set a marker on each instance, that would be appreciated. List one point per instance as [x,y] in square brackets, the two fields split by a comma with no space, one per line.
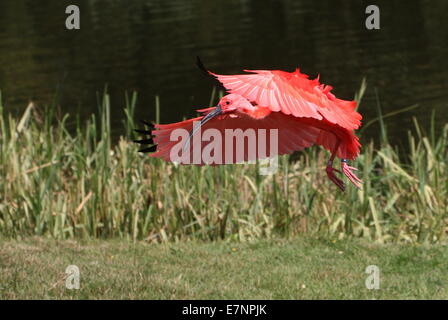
[204,120]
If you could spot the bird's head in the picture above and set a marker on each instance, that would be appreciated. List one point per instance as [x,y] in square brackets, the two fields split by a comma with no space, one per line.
[228,103]
[232,102]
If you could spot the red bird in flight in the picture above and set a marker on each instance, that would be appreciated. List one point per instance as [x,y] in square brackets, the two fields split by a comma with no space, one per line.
[303,111]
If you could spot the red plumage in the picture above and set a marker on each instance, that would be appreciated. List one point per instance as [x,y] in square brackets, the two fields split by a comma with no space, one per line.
[304,112]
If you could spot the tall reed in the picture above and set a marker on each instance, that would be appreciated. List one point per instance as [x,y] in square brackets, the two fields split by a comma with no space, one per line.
[64,184]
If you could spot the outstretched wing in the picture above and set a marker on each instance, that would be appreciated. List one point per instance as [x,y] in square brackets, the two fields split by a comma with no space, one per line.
[291,136]
[293,93]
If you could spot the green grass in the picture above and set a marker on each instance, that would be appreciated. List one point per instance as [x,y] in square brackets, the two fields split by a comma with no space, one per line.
[79,185]
[276,269]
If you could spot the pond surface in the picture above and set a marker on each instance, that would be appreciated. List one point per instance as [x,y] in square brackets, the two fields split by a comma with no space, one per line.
[150,46]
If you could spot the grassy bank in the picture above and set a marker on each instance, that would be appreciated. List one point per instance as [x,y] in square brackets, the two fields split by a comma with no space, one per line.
[63,184]
[274,269]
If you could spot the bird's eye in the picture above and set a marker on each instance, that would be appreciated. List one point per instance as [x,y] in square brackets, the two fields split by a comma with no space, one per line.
[227,102]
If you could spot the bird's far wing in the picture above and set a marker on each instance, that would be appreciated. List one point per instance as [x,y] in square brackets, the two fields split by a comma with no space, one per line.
[292,93]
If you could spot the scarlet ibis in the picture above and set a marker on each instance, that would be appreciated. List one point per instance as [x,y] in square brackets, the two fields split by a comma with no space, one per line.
[303,111]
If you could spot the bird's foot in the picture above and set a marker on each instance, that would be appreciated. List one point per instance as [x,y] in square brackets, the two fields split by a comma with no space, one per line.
[330,173]
[349,174]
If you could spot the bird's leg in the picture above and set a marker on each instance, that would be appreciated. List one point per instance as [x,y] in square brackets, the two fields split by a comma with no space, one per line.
[330,170]
[349,174]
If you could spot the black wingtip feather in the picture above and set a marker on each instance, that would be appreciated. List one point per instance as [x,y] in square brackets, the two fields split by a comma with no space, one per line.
[150,125]
[149,140]
[145,141]
[201,66]
[207,73]
[143,131]
[150,149]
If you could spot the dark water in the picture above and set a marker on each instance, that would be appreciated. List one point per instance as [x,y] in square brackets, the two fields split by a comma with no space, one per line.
[150,46]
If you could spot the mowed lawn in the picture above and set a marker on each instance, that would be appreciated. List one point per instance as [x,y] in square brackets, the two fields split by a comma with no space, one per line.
[274,269]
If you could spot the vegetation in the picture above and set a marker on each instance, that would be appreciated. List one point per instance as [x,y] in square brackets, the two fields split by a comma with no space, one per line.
[63,184]
[264,269]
